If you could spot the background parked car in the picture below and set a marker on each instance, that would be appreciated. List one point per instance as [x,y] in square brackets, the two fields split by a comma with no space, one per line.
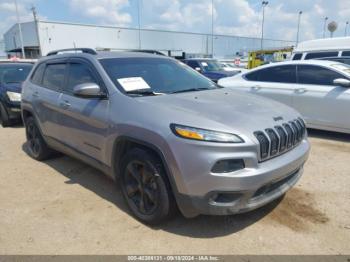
[210,68]
[320,48]
[319,90]
[12,74]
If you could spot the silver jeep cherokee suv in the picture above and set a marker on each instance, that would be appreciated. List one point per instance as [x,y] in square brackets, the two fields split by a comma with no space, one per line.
[170,136]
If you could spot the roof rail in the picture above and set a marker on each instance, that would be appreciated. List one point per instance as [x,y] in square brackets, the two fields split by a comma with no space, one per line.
[72,50]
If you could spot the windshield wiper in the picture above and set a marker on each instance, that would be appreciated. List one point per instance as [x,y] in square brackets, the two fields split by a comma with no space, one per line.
[191,90]
[142,92]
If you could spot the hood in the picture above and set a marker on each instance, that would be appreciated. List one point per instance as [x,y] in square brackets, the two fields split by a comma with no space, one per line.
[13,87]
[222,109]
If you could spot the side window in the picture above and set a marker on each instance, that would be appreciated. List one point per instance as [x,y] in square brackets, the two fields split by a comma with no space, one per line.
[37,76]
[193,64]
[320,55]
[316,75]
[297,56]
[79,73]
[346,53]
[54,76]
[279,74]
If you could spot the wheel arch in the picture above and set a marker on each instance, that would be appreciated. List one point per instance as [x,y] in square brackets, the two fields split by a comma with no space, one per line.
[124,143]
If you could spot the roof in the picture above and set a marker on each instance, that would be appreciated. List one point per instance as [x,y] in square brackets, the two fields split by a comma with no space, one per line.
[337,43]
[323,63]
[104,55]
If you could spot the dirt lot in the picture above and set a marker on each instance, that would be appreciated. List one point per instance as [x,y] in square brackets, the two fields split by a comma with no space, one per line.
[63,206]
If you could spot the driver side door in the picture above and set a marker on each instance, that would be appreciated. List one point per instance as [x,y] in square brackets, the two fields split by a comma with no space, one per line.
[84,121]
[322,103]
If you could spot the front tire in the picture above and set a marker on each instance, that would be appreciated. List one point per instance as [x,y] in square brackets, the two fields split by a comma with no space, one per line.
[4,117]
[37,147]
[145,186]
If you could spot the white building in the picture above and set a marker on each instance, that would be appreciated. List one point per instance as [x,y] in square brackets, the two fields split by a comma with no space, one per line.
[45,36]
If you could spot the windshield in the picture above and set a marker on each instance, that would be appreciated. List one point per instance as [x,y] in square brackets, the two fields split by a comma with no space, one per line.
[157,75]
[14,73]
[343,67]
[211,65]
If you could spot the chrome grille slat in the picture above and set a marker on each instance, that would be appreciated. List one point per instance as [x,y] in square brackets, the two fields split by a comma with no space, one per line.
[280,139]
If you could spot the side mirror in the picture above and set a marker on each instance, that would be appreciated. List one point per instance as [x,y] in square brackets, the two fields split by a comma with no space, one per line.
[342,82]
[88,90]
[198,69]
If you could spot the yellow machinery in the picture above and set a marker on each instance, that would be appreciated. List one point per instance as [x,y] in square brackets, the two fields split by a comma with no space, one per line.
[260,57]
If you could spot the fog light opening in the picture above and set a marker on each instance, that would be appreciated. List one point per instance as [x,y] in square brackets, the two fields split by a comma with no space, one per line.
[227,166]
[224,198]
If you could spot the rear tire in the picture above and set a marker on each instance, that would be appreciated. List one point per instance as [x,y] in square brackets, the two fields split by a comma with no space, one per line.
[145,186]
[4,117]
[37,147]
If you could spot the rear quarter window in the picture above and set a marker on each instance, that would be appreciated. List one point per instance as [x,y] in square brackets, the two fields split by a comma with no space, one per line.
[297,56]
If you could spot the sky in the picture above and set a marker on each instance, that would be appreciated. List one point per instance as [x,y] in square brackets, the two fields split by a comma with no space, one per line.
[235,17]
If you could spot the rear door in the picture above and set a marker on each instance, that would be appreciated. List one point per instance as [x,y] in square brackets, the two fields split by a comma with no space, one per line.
[320,101]
[46,93]
[84,121]
[277,82]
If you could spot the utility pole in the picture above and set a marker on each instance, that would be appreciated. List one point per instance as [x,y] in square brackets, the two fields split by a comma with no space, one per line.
[20,30]
[264,4]
[299,17]
[212,28]
[324,26]
[139,21]
[35,17]
[346,28]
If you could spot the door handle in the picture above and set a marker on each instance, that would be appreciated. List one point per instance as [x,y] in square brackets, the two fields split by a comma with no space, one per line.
[35,94]
[65,104]
[256,88]
[301,90]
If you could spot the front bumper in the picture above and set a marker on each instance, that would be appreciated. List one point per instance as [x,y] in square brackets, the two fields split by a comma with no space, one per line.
[13,110]
[254,186]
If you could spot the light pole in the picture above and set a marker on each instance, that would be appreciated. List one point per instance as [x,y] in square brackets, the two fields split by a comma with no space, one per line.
[139,21]
[212,28]
[299,17]
[264,4]
[20,30]
[346,28]
[324,26]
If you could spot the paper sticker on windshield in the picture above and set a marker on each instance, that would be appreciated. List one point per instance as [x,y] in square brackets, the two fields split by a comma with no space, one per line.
[133,83]
[204,64]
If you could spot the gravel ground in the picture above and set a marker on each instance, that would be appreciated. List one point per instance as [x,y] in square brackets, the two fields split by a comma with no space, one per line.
[63,206]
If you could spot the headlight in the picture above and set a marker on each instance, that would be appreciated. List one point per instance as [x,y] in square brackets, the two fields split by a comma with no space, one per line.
[14,97]
[204,134]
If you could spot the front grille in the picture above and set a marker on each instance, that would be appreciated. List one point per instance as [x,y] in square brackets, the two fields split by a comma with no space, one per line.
[277,140]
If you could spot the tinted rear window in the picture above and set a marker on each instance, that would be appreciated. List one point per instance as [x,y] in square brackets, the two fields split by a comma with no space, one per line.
[14,73]
[346,53]
[277,74]
[320,55]
[54,76]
